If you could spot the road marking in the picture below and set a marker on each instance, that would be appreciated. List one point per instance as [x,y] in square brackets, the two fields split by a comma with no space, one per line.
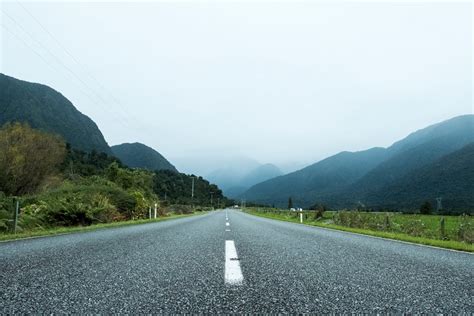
[227,224]
[233,274]
[227,230]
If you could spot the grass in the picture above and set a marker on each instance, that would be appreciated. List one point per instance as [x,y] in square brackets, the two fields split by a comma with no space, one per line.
[430,224]
[77,229]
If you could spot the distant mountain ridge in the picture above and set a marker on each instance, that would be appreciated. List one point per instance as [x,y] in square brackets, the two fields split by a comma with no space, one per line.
[235,181]
[44,108]
[349,179]
[137,155]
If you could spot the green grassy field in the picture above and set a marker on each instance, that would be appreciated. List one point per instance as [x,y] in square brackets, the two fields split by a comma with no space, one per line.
[422,229]
[75,229]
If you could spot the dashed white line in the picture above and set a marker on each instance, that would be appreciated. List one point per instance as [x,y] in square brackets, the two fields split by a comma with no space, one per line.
[227,224]
[233,274]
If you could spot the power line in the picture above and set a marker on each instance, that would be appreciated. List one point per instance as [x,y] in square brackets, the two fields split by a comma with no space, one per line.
[38,54]
[74,58]
[58,60]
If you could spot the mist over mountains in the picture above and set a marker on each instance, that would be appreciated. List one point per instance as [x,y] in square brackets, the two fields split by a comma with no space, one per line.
[379,177]
[241,174]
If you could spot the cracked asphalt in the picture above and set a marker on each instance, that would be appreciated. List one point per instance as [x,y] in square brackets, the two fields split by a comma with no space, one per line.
[177,266]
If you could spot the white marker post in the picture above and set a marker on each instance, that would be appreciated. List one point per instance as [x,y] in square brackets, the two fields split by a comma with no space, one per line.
[156,206]
[301,217]
[149,212]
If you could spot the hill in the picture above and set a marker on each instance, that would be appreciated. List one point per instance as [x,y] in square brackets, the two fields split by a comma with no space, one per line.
[450,177]
[347,180]
[325,176]
[44,108]
[137,155]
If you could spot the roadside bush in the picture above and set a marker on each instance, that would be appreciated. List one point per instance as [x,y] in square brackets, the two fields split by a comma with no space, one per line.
[5,218]
[179,209]
[319,211]
[349,219]
[415,228]
[373,221]
[466,229]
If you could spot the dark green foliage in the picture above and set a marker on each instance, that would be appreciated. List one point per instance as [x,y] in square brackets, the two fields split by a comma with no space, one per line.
[426,208]
[46,109]
[81,163]
[175,188]
[450,177]
[137,155]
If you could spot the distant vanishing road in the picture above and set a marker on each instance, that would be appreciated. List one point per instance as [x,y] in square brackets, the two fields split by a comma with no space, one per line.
[252,265]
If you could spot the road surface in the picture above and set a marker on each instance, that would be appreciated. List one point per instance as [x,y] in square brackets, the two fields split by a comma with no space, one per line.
[201,264]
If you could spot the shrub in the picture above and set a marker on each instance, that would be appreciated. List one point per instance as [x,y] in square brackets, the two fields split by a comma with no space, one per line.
[466,229]
[426,208]
[414,227]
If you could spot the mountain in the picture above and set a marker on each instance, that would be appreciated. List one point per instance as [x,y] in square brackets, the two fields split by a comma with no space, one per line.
[305,185]
[238,178]
[261,173]
[231,171]
[347,179]
[450,177]
[137,155]
[257,175]
[44,108]
[417,150]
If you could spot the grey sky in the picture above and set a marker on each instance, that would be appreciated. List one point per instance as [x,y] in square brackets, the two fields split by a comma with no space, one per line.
[276,82]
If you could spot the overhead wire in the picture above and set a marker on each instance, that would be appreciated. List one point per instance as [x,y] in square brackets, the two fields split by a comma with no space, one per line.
[122,121]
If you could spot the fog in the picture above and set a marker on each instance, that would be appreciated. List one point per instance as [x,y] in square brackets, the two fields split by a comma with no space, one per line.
[208,83]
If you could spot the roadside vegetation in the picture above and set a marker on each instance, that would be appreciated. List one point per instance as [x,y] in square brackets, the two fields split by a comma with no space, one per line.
[58,188]
[452,232]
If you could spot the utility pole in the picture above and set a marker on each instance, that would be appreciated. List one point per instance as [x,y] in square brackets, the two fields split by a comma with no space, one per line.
[212,193]
[192,189]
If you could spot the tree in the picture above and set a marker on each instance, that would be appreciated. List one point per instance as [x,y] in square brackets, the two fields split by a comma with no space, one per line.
[290,203]
[27,158]
[426,208]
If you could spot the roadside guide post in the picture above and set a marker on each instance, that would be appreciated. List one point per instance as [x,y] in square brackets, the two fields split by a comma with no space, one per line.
[301,216]
[156,206]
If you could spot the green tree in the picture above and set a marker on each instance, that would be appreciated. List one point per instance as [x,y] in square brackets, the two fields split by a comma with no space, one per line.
[27,158]
[290,203]
[426,208]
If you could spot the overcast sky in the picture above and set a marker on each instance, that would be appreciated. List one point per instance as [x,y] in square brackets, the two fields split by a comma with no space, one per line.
[276,82]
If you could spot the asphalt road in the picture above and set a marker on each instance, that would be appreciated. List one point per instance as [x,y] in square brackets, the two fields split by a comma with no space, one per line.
[193,265]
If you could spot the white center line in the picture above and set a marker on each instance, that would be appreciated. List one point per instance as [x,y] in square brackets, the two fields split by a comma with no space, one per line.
[233,274]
